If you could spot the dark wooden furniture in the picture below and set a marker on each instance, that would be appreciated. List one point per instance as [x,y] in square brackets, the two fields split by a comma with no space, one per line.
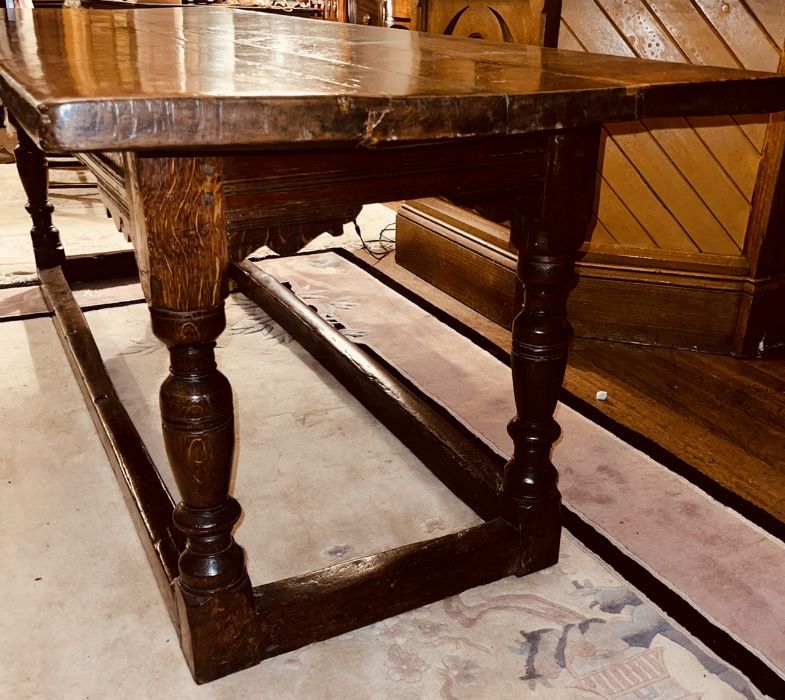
[688,247]
[317,9]
[353,11]
[259,139]
[514,21]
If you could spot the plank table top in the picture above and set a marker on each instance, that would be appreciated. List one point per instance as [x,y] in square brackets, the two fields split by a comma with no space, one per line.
[207,77]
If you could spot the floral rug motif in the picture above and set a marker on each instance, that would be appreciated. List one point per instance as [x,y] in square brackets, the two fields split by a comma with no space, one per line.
[548,635]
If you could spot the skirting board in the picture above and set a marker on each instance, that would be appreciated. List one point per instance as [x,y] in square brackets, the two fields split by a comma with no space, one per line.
[699,302]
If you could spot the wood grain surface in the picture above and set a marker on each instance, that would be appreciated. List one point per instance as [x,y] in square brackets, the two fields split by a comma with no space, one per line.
[308,608]
[179,230]
[217,77]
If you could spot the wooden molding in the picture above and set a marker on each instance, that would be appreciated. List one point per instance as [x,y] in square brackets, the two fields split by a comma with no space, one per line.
[699,302]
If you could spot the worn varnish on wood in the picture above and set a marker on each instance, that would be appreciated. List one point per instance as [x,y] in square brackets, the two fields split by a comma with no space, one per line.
[347,84]
[684,204]
[215,135]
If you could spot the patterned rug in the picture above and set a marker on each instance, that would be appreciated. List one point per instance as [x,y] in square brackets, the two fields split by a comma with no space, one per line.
[661,590]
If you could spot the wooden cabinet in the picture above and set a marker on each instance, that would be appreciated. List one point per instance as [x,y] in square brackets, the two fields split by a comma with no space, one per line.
[688,245]
[368,12]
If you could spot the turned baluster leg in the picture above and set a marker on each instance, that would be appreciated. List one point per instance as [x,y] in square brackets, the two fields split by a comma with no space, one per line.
[547,235]
[34,174]
[182,255]
[215,607]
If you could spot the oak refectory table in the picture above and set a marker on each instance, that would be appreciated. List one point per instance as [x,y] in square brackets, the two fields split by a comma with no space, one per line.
[231,129]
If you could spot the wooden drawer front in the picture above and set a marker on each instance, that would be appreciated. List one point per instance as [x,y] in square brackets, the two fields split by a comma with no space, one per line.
[365,12]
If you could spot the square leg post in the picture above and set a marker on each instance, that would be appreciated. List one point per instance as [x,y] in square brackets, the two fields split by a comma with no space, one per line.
[547,234]
[181,248]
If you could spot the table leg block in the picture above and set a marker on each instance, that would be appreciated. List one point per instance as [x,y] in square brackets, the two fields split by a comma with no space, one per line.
[218,631]
[217,627]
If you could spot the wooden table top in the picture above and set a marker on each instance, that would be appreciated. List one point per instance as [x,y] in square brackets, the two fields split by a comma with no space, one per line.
[206,77]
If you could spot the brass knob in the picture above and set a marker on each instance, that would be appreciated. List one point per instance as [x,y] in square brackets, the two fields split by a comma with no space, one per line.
[366,18]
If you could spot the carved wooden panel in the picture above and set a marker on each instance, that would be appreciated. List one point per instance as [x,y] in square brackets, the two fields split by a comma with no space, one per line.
[679,184]
[514,21]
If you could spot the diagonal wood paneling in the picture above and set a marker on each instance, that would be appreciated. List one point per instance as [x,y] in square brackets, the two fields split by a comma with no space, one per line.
[771,16]
[678,184]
